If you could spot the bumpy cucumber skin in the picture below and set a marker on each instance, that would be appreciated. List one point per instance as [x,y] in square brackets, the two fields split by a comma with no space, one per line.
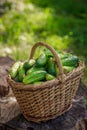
[41,60]
[34,77]
[14,69]
[68,69]
[16,79]
[31,62]
[49,77]
[71,61]
[48,53]
[51,67]
[33,69]
[21,72]
[64,56]
[28,64]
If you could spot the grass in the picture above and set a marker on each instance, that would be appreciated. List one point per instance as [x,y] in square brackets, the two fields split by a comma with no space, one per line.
[62,24]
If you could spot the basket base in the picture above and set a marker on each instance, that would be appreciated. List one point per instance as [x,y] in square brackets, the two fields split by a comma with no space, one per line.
[46,118]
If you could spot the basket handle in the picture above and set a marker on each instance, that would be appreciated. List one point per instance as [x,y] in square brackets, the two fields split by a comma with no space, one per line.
[61,75]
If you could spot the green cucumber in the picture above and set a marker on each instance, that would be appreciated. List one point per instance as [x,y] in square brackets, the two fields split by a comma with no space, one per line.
[64,56]
[68,69]
[51,67]
[14,69]
[49,77]
[34,77]
[33,69]
[28,64]
[71,61]
[41,60]
[16,79]
[21,72]
[48,53]
[59,51]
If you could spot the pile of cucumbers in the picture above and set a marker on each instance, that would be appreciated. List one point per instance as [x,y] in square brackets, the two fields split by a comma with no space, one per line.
[43,68]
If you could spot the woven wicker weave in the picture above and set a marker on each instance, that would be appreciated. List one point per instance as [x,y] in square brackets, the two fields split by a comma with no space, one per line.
[41,102]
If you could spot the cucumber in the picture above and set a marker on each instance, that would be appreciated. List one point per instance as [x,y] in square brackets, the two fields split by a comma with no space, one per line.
[67,69]
[28,64]
[41,60]
[48,53]
[59,51]
[33,69]
[14,69]
[71,61]
[21,72]
[51,67]
[16,79]
[34,77]
[64,56]
[31,62]
[49,77]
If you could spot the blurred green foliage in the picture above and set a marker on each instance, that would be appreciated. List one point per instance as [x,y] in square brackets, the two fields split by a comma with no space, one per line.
[62,24]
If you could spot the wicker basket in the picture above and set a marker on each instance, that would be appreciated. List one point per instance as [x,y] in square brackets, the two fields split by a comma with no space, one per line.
[41,102]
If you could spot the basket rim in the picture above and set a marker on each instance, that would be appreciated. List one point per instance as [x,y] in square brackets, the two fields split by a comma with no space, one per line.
[33,87]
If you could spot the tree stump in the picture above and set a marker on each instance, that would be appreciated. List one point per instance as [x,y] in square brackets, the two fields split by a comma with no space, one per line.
[74,119]
[71,120]
[5,64]
[9,107]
